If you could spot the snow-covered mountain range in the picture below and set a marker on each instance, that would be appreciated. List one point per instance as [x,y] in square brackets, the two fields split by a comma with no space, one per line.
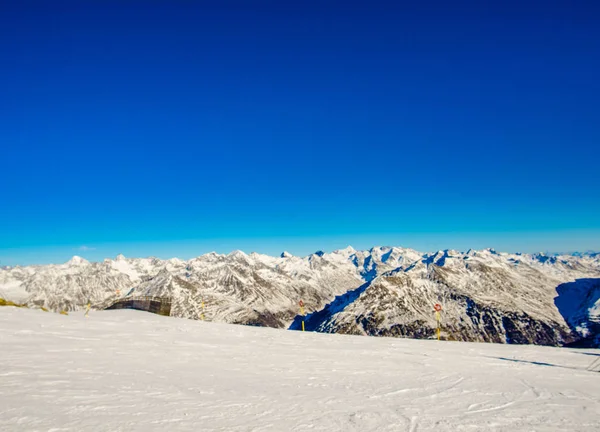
[387,291]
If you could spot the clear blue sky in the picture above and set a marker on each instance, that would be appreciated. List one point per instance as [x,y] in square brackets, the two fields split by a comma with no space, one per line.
[175,128]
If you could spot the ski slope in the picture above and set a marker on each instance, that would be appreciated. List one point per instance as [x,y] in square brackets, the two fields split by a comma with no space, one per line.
[133,371]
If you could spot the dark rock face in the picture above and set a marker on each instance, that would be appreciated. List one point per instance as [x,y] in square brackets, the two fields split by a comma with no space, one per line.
[416,330]
[522,329]
[264,319]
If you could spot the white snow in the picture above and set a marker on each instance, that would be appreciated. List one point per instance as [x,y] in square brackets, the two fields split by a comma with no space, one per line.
[134,371]
[13,290]
[76,260]
[123,266]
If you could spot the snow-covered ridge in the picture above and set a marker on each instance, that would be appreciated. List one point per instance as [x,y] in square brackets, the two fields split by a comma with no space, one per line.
[486,295]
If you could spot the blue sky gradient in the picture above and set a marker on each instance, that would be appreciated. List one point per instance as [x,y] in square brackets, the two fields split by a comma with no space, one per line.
[178,128]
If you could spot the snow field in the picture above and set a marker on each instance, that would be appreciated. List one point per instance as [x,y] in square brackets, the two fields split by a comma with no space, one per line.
[133,371]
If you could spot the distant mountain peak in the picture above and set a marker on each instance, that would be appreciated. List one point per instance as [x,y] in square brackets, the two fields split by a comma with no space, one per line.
[77,260]
[240,256]
[348,250]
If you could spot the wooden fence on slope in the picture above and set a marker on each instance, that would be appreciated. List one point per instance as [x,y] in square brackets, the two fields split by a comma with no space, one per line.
[157,305]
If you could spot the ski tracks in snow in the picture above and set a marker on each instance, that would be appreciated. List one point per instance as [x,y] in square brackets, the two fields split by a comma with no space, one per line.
[132,371]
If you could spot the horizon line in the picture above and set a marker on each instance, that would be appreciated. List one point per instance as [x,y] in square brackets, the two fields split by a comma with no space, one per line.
[317,252]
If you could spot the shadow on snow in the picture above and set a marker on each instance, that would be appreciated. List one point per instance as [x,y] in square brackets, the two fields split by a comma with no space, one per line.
[313,320]
[579,304]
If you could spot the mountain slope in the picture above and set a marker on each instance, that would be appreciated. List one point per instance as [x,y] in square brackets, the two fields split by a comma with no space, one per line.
[486,296]
[386,291]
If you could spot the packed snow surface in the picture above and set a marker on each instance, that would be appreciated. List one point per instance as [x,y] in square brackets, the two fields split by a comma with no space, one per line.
[133,371]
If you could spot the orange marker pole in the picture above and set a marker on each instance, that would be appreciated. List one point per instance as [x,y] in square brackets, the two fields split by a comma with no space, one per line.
[437,309]
[202,313]
[302,313]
